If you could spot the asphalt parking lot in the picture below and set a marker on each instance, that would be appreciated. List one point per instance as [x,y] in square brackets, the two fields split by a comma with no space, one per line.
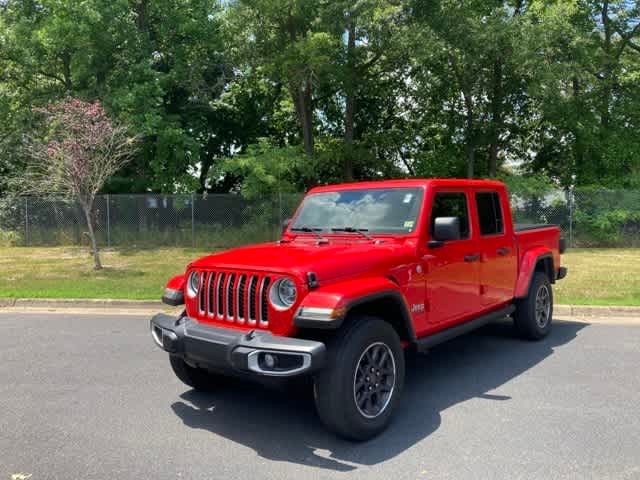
[91,397]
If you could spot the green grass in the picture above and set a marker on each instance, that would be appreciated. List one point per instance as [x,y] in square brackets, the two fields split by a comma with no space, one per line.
[67,272]
[607,276]
[596,276]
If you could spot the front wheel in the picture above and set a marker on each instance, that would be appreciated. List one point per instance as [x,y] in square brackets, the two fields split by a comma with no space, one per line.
[358,392]
[196,378]
[534,313]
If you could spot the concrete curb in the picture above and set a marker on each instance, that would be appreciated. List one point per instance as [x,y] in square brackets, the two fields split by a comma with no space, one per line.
[595,311]
[74,304]
[137,305]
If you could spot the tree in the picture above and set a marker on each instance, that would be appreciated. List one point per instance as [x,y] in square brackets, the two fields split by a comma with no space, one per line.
[159,68]
[80,149]
[364,89]
[289,42]
[166,84]
[584,68]
[370,51]
[472,50]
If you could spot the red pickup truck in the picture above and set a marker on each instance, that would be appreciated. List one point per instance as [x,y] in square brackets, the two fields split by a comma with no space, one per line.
[362,272]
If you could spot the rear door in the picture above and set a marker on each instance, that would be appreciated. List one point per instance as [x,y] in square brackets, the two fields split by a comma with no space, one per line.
[498,268]
[453,268]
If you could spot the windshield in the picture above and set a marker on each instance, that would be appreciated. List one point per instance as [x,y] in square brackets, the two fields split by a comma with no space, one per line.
[376,210]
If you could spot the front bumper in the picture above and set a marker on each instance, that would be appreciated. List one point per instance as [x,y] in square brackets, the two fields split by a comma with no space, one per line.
[255,352]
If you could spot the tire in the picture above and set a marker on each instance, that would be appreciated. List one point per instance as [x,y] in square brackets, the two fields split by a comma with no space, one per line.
[534,314]
[196,378]
[361,341]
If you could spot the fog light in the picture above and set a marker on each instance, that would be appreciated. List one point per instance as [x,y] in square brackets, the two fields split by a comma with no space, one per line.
[156,333]
[278,363]
[269,361]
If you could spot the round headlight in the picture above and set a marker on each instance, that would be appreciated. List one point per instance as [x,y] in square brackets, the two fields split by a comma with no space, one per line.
[193,283]
[283,293]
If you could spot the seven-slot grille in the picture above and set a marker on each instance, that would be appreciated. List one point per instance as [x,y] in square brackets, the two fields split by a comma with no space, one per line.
[236,297]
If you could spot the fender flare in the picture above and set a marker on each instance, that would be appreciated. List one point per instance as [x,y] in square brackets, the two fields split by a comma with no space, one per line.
[395,295]
[527,269]
[176,283]
[328,307]
[174,291]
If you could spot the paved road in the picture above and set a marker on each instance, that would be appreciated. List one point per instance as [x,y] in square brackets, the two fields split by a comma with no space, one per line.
[90,397]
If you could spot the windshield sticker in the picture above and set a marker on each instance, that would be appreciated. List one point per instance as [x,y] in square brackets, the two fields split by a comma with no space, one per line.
[408,224]
[407,198]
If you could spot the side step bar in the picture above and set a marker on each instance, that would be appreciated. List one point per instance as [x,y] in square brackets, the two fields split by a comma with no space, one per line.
[429,341]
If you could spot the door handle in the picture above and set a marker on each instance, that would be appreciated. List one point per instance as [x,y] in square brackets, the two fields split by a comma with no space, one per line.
[503,251]
[472,258]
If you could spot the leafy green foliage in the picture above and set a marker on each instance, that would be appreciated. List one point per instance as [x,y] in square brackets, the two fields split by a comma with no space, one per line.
[266,169]
[269,94]
[607,217]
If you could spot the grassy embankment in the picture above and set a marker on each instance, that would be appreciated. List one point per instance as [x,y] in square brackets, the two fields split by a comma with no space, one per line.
[596,276]
[66,272]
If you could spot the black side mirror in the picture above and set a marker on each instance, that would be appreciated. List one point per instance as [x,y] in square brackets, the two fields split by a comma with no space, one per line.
[446,229]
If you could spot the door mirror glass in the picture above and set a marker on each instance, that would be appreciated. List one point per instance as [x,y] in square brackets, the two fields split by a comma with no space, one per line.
[446,229]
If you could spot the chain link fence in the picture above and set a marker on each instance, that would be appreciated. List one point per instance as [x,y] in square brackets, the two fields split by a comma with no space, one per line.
[147,220]
[587,217]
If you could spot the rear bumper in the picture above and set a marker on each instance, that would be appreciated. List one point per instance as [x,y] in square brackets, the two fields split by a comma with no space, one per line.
[225,349]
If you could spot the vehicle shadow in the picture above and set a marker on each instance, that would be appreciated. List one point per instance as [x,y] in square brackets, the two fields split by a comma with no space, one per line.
[282,424]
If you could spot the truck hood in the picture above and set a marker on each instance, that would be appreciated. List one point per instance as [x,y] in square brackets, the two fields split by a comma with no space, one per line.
[328,261]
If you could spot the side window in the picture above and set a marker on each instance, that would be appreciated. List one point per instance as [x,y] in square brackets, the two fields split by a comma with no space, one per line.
[451,204]
[489,213]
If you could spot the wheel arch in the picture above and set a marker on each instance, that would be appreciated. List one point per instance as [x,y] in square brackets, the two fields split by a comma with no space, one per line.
[545,265]
[389,306]
[329,307]
[538,260]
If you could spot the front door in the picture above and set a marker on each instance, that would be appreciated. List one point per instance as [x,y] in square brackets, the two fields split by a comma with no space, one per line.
[452,269]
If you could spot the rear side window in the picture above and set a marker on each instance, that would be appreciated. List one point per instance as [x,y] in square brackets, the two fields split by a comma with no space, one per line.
[451,204]
[489,213]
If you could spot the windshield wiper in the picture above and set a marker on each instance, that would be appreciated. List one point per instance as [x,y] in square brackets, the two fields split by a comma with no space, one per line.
[361,231]
[307,229]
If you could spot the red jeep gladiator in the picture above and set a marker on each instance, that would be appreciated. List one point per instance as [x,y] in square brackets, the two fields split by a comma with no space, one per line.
[362,272]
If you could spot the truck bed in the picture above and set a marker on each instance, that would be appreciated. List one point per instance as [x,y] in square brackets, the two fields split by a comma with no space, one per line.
[523,227]
[529,237]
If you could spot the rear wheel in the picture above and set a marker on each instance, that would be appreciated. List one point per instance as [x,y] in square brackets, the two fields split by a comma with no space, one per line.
[196,378]
[358,392]
[534,313]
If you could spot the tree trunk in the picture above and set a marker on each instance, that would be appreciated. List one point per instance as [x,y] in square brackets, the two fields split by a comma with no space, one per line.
[469,135]
[206,161]
[142,15]
[578,144]
[66,71]
[304,110]
[493,158]
[471,158]
[92,235]
[608,70]
[350,102]
[496,120]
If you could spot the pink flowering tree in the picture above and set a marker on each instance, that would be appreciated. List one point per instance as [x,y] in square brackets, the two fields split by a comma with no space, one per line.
[82,147]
